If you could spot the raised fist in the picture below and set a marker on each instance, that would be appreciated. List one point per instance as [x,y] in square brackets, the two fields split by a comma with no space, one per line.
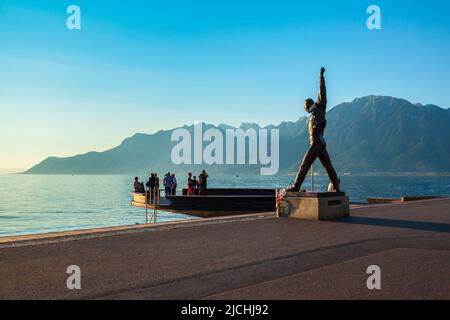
[322,71]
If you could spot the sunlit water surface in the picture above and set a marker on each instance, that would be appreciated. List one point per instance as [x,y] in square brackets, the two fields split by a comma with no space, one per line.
[46,203]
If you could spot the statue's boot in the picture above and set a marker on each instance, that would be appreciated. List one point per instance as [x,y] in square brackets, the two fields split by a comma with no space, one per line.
[292,188]
[333,187]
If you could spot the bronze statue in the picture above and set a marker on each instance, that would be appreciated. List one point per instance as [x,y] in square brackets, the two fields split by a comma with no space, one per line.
[317,145]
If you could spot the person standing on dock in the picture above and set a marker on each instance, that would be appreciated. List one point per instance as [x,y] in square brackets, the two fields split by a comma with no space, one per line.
[137,185]
[190,185]
[203,181]
[195,185]
[167,184]
[151,186]
[173,186]
[156,186]
[317,146]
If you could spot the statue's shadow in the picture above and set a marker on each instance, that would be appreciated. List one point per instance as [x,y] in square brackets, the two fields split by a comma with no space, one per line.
[396,223]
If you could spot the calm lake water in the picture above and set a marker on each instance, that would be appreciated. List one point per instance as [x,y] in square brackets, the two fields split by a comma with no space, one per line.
[46,203]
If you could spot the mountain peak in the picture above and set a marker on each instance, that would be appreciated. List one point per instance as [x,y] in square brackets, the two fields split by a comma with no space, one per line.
[249,125]
[369,134]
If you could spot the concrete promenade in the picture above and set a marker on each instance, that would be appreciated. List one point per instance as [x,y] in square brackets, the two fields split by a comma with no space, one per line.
[247,257]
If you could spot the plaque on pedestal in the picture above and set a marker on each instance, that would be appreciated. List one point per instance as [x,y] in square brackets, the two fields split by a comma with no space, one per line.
[312,205]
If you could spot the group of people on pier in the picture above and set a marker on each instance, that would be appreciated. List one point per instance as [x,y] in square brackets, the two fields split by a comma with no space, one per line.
[198,187]
[170,184]
[195,186]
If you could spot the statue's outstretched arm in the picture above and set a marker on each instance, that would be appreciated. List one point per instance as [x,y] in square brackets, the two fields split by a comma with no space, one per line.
[322,98]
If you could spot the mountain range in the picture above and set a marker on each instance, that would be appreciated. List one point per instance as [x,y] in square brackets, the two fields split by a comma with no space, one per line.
[372,134]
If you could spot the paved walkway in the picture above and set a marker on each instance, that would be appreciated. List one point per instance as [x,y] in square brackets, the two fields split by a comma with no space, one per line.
[254,257]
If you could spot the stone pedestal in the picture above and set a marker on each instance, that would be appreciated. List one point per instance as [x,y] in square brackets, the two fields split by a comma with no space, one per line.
[313,205]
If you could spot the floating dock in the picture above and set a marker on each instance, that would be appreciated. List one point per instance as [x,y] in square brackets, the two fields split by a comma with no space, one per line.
[218,202]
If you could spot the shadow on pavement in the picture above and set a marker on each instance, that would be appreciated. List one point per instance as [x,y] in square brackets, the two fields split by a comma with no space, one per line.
[395,223]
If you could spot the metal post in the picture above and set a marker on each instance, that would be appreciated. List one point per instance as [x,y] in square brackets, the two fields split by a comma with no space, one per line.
[146,205]
[155,207]
[312,177]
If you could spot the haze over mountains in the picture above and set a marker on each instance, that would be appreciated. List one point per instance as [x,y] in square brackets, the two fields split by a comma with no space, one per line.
[373,134]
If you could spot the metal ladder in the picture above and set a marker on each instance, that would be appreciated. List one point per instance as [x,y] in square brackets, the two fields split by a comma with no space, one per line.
[155,202]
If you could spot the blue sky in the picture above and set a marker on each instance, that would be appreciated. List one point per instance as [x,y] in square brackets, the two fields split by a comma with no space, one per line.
[141,66]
